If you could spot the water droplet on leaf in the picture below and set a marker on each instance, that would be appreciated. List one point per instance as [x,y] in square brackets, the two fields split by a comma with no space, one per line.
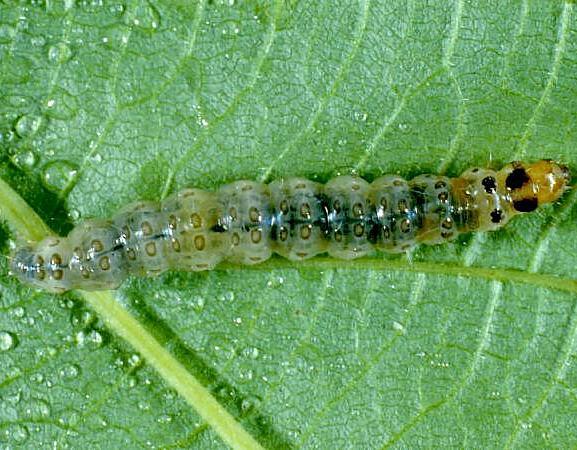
[146,17]
[28,125]
[19,433]
[59,53]
[24,158]
[59,175]
[7,341]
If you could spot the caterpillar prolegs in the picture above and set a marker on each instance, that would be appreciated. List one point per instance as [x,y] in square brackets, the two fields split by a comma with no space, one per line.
[245,222]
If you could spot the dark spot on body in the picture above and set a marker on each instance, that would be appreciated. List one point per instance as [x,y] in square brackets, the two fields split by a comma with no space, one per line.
[255,236]
[496,216]
[199,242]
[306,231]
[146,229]
[150,248]
[517,178]
[254,214]
[97,245]
[196,220]
[526,204]
[489,184]
[405,225]
[104,263]
[172,222]
[358,230]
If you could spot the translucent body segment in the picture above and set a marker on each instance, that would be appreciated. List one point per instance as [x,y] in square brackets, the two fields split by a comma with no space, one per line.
[300,221]
[349,215]
[144,233]
[485,206]
[192,219]
[98,256]
[436,208]
[396,217]
[247,216]
[45,264]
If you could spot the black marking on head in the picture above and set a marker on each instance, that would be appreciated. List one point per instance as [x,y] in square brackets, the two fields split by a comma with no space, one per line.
[517,178]
[496,216]
[489,184]
[526,204]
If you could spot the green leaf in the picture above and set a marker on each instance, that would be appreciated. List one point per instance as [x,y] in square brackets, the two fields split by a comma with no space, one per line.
[471,344]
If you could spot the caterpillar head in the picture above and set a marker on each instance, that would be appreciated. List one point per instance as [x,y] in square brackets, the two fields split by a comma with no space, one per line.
[531,185]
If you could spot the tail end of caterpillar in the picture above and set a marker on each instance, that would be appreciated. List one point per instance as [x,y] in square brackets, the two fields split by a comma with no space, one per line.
[31,269]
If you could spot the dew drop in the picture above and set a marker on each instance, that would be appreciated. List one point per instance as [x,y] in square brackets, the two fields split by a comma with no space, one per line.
[38,41]
[69,371]
[7,341]
[227,296]
[250,352]
[59,175]
[146,17]
[74,215]
[134,361]
[7,136]
[360,116]
[19,312]
[59,53]
[275,282]
[399,328]
[19,434]
[164,418]
[28,125]
[82,318]
[143,406]
[96,158]
[24,158]
[37,378]
[61,105]
[117,9]
[248,404]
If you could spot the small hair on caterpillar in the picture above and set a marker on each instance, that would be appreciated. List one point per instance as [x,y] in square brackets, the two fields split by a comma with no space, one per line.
[245,222]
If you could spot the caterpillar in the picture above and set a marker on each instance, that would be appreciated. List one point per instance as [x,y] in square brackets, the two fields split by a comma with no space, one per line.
[245,222]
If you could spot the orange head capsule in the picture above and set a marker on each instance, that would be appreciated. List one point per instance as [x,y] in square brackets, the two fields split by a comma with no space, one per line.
[531,185]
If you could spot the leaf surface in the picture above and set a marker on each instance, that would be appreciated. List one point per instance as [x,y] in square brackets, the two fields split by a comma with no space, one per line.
[471,344]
